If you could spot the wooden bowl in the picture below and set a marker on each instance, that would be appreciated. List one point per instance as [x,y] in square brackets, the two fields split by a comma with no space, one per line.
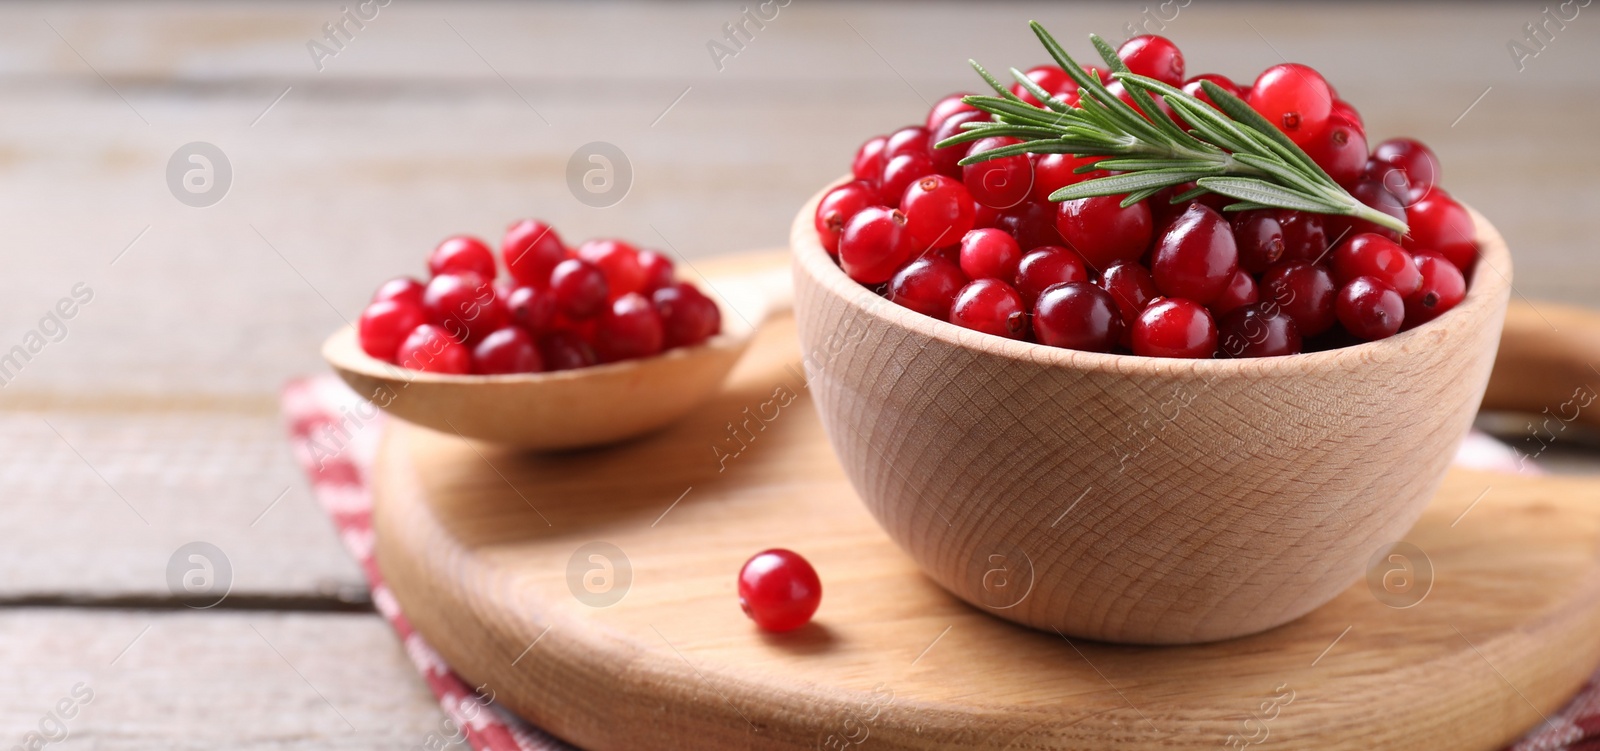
[1134,499]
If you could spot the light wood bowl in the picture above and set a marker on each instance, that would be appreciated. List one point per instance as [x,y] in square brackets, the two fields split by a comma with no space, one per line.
[1133,499]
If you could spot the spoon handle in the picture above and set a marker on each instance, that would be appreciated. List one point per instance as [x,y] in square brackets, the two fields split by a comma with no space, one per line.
[758,295]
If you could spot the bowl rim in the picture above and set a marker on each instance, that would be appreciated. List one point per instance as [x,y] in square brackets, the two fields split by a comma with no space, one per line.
[1487,293]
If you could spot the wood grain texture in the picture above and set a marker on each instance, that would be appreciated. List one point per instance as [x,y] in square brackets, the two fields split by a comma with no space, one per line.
[477,548]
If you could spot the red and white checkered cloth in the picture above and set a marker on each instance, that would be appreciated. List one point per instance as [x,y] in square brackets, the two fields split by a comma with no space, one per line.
[334,436]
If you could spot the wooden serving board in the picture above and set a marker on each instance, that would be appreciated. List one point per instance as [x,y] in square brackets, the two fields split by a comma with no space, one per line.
[487,551]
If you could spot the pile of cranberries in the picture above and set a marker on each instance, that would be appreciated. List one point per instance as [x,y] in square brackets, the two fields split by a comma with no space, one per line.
[983,247]
[560,309]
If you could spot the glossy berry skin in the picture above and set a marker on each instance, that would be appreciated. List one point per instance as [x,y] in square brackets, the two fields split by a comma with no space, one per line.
[900,172]
[431,349]
[779,590]
[998,183]
[1440,224]
[1052,172]
[565,350]
[1259,238]
[939,211]
[462,254]
[990,306]
[1104,232]
[1442,288]
[1377,257]
[630,327]
[875,244]
[657,270]
[946,108]
[1375,195]
[1305,237]
[579,288]
[385,324]
[688,317]
[1194,88]
[507,350]
[1303,291]
[1045,266]
[531,249]
[402,288]
[908,140]
[1154,57]
[531,308]
[1048,77]
[1259,330]
[990,254]
[837,207]
[1131,287]
[465,304]
[1340,149]
[1241,291]
[869,161]
[1033,224]
[927,285]
[1078,315]
[1411,157]
[1196,256]
[945,160]
[1369,309]
[1174,327]
[1293,97]
[618,263]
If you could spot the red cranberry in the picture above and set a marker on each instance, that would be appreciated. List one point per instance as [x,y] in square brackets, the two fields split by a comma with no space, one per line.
[999,183]
[1052,172]
[688,317]
[1045,266]
[1304,292]
[1293,97]
[1442,288]
[1440,224]
[1375,256]
[1033,224]
[565,350]
[465,304]
[531,308]
[1154,57]
[779,590]
[1416,161]
[508,350]
[945,160]
[837,207]
[1078,315]
[462,254]
[629,328]
[618,263]
[402,288]
[1260,239]
[875,244]
[1174,327]
[1193,87]
[927,285]
[531,248]
[1048,77]
[1305,237]
[938,212]
[431,349]
[1104,232]
[1241,291]
[869,161]
[1370,309]
[990,254]
[1343,109]
[946,108]
[1195,257]
[1120,91]
[1373,194]
[908,140]
[579,288]
[1259,330]
[1340,149]
[900,172]
[657,270]
[990,306]
[1131,286]
[385,324]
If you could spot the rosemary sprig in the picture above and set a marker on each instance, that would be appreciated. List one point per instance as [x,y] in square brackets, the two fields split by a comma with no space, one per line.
[1227,149]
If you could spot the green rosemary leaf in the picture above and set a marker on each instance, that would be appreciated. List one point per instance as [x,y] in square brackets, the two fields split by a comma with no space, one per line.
[1246,115]
[1131,165]
[1039,93]
[1137,196]
[1245,206]
[1262,192]
[1126,183]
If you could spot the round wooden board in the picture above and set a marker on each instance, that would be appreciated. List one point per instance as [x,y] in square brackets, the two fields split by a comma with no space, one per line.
[486,551]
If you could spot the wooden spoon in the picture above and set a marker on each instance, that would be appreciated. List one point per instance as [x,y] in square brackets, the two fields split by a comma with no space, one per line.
[574,408]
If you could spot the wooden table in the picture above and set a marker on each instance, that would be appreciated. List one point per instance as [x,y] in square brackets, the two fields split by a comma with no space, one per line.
[151,421]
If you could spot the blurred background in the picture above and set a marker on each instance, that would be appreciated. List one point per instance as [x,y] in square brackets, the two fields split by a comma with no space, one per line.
[148,419]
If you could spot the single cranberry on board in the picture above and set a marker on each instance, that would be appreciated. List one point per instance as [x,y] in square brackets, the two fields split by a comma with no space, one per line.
[1078,315]
[1174,327]
[385,324]
[779,590]
[531,249]
[462,253]
[1104,231]
[990,306]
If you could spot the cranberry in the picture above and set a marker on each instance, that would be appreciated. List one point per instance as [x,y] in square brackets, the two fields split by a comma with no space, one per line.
[990,306]
[837,207]
[565,350]
[1193,87]
[1304,291]
[1260,330]
[1413,159]
[1120,91]
[508,350]
[779,590]
[1305,237]
[945,160]
[1033,224]
[946,108]
[1131,286]
[1174,327]
[688,317]
[402,288]
[1442,288]
[462,254]
[1260,239]
[431,349]
[899,174]
[1154,57]
[875,244]
[1440,224]
[1052,172]
[1293,97]
[618,263]
[1340,149]
[531,248]
[1045,266]
[531,308]
[657,270]
[869,161]
[385,324]
[1241,291]
[927,285]
[909,140]
[1196,256]
[1375,195]
[1348,113]
[990,254]
[1078,315]
[1375,256]
[1103,231]
[999,183]
[1370,309]
[628,328]
[465,304]
[984,217]
[938,212]
[579,288]
[1048,77]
